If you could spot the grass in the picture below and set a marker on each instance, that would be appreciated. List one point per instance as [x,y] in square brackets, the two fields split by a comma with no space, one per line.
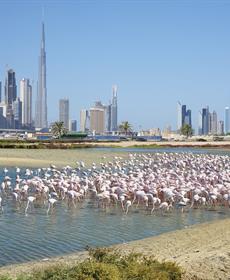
[109,264]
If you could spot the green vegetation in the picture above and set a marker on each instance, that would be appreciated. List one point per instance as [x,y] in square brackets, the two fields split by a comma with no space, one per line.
[58,129]
[186,130]
[108,264]
[125,127]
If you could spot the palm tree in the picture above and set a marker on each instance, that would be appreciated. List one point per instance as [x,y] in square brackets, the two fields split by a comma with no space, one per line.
[186,130]
[125,127]
[58,129]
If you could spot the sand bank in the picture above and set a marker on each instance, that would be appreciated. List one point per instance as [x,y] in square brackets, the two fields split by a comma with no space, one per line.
[173,144]
[203,251]
[43,157]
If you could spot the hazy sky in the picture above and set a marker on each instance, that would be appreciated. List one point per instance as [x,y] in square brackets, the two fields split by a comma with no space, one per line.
[157,52]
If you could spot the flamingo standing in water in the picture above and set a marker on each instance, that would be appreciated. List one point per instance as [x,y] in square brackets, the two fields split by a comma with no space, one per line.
[51,202]
[127,205]
[30,201]
[1,207]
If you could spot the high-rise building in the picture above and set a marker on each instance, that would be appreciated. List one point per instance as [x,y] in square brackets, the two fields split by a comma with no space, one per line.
[97,118]
[84,120]
[64,112]
[17,111]
[199,123]
[184,116]
[214,124]
[41,102]
[0,91]
[108,118]
[10,97]
[26,99]
[227,120]
[179,116]
[205,121]
[188,117]
[73,125]
[220,128]
[3,122]
[114,109]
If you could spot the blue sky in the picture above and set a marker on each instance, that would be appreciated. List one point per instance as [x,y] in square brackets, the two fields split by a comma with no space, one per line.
[157,52]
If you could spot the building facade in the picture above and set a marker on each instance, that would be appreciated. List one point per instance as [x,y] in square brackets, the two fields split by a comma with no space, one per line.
[205,121]
[184,116]
[64,112]
[10,97]
[73,125]
[26,99]
[84,120]
[97,120]
[220,129]
[227,120]
[41,102]
[114,109]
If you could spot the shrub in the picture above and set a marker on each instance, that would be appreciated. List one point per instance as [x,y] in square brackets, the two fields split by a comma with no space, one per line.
[108,264]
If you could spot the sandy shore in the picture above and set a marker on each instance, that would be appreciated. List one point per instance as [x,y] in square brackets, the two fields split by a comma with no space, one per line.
[203,251]
[45,157]
[173,144]
[62,157]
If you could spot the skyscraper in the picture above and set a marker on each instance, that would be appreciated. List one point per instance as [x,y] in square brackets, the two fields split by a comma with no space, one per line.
[64,112]
[114,109]
[108,118]
[73,125]
[205,121]
[0,91]
[200,123]
[97,120]
[220,129]
[84,120]
[184,116]
[214,123]
[10,97]
[26,99]
[17,112]
[227,120]
[179,116]
[41,103]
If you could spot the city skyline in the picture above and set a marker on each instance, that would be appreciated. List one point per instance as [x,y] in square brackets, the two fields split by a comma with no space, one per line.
[150,69]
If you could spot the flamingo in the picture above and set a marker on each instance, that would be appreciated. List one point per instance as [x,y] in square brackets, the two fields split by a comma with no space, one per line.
[30,201]
[51,202]
[1,206]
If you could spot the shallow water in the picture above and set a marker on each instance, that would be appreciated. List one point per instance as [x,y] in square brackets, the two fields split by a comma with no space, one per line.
[38,235]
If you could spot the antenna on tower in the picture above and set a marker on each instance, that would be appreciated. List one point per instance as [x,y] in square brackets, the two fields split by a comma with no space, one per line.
[43,13]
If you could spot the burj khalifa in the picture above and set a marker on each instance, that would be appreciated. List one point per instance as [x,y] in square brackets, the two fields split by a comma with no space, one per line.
[41,102]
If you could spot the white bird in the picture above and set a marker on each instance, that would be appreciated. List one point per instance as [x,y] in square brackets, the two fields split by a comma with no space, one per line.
[51,202]
[30,201]
[1,206]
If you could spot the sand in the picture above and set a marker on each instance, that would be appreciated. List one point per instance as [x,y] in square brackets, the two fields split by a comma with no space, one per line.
[45,157]
[203,251]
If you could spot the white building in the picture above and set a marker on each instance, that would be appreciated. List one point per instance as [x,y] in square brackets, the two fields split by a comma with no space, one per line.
[26,99]
[227,120]
[84,120]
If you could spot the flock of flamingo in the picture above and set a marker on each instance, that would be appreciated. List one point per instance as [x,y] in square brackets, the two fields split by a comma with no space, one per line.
[154,182]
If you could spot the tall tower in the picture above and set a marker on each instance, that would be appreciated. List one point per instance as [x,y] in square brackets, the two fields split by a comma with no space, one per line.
[227,120]
[114,109]
[64,112]
[41,103]
[0,91]
[26,99]
[10,97]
